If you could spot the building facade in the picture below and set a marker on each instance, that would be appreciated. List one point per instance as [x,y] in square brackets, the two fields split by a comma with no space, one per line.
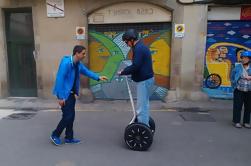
[35,34]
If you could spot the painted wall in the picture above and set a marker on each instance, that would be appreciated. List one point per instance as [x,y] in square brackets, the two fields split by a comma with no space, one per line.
[225,41]
[109,54]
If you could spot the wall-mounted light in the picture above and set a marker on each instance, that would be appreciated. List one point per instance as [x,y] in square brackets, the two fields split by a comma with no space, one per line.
[221,2]
[189,2]
[232,2]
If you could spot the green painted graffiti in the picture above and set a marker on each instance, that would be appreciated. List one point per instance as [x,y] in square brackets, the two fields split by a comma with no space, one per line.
[116,56]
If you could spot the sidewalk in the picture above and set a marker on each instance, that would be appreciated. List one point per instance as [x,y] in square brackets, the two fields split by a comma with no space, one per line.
[112,105]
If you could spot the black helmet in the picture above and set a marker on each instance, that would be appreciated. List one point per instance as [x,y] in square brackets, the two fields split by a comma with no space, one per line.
[130,34]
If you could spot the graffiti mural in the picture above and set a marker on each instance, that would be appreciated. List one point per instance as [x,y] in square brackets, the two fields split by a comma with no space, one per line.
[225,41]
[109,54]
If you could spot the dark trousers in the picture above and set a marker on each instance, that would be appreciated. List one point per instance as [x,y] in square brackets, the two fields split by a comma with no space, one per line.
[67,120]
[241,98]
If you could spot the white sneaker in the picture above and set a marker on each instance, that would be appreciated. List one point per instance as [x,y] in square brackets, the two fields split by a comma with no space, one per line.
[246,125]
[237,125]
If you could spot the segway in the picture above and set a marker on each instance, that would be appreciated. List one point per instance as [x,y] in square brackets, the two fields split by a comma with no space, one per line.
[138,136]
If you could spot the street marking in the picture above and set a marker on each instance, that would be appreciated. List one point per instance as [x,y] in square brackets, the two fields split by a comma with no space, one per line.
[5,112]
[98,110]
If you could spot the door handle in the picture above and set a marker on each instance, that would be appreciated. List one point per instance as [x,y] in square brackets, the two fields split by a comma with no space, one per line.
[34,54]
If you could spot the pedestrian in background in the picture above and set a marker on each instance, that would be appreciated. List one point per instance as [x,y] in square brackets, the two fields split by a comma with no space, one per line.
[66,89]
[141,71]
[241,83]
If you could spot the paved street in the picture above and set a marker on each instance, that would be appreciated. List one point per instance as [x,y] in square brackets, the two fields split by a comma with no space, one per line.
[186,135]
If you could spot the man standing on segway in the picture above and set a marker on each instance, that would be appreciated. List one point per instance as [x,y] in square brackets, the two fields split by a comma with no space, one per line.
[142,73]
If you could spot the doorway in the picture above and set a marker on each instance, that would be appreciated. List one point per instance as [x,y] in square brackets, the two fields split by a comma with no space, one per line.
[20,47]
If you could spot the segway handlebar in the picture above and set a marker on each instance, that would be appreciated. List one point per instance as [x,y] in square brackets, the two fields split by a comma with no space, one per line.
[131,100]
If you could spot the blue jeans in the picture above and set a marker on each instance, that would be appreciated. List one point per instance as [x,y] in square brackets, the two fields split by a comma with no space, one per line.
[67,120]
[143,95]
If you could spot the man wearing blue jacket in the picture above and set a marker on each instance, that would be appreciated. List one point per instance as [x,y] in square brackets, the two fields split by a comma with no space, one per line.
[141,71]
[66,88]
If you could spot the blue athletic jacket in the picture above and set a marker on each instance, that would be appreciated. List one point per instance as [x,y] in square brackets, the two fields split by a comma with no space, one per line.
[65,77]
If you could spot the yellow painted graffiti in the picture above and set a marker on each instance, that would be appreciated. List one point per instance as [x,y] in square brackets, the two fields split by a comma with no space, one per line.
[161,57]
[218,63]
[99,56]
[222,69]
[228,44]
[144,33]
[110,34]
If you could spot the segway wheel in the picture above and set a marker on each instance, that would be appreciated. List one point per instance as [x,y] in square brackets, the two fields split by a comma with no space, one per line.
[152,124]
[138,136]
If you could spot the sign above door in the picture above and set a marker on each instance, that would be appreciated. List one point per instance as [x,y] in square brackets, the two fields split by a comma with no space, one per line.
[130,12]
[55,8]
